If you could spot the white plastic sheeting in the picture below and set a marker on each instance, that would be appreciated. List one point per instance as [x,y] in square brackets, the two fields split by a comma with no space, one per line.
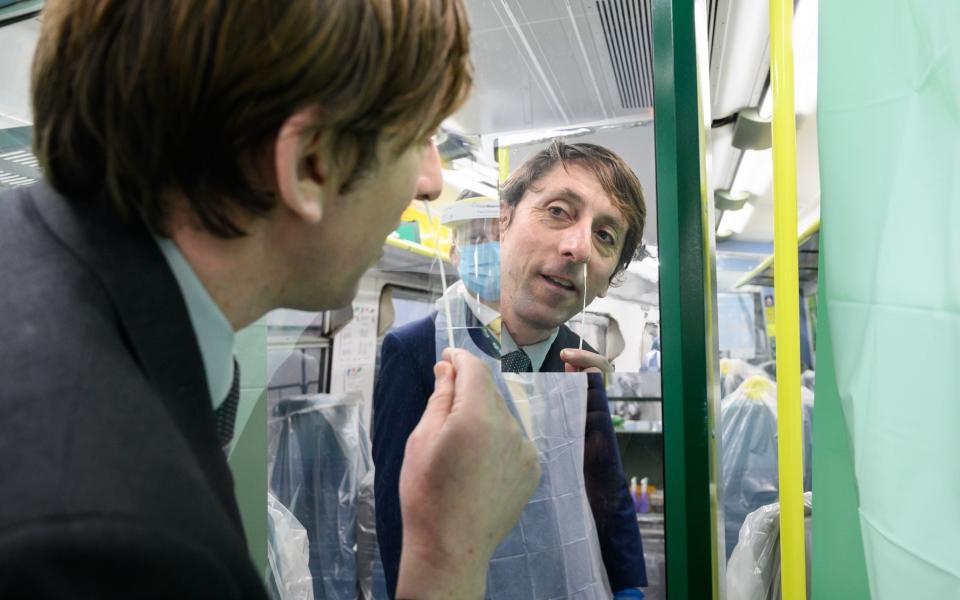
[753,571]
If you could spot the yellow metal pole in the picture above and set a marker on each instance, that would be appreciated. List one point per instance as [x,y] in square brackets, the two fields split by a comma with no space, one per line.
[787,295]
[503,162]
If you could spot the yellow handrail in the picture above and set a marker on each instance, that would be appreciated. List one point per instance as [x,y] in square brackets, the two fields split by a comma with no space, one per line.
[787,296]
[503,163]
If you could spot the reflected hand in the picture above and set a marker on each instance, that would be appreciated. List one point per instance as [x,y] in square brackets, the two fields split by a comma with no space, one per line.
[467,473]
[577,361]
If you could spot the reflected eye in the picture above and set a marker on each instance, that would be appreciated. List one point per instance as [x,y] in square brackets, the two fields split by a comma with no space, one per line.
[556,211]
[606,237]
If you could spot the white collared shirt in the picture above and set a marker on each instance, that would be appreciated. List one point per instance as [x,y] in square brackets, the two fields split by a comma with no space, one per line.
[537,352]
[215,336]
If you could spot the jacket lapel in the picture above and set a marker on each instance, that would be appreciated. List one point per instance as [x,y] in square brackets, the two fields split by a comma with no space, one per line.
[153,315]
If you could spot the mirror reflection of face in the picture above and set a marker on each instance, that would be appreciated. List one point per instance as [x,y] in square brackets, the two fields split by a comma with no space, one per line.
[564,220]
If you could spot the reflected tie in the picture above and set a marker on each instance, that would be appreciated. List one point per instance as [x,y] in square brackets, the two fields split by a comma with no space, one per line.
[226,413]
[494,326]
[516,362]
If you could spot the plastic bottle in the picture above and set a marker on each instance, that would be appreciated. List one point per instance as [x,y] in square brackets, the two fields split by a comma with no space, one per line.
[643,502]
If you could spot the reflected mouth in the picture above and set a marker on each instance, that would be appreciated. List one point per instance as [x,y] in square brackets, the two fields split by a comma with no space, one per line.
[559,283]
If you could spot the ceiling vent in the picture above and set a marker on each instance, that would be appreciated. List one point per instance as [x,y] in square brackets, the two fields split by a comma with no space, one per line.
[626,31]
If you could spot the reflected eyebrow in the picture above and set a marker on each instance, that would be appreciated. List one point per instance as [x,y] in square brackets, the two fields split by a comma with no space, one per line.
[604,218]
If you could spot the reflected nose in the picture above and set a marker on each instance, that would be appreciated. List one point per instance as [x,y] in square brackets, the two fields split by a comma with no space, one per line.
[430,180]
[575,244]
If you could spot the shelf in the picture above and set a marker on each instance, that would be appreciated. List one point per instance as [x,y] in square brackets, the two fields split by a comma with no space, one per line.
[410,257]
[809,247]
[656,429]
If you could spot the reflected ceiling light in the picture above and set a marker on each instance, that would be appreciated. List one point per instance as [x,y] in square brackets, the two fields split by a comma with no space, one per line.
[805,31]
[754,174]
[465,181]
[733,222]
[540,135]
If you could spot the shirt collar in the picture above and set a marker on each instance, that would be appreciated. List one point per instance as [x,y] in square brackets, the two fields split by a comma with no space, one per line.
[214,334]
[537,352]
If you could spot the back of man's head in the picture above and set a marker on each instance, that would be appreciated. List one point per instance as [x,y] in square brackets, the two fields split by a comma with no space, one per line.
[135,98]
[614,175]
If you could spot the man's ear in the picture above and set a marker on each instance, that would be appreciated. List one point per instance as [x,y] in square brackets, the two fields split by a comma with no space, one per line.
[606,287]
[302,175]
[454,254]
[506,214]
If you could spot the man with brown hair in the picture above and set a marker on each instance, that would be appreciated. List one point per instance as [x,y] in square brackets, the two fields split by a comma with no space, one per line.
[206,162]
[570,209]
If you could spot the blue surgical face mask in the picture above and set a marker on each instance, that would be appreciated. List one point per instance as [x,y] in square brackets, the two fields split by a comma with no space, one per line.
[480,269]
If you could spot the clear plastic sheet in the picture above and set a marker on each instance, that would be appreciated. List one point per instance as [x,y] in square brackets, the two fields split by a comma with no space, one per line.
[287,551]
[749,475]
[373,584]
[319,464]
[553,552]
[753,571]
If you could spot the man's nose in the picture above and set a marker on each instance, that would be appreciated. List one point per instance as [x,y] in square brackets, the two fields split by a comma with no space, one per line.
[430,180]
[575,243]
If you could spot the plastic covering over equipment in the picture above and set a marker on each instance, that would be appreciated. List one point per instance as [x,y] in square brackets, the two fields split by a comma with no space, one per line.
[749,453]
[320,470]
[287,552]
[753,571]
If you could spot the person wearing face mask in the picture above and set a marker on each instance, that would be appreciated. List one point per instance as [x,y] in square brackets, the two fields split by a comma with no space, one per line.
[406,376]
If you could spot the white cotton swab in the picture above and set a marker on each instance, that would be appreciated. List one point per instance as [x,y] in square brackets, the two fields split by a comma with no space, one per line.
[443,278]
[583,312]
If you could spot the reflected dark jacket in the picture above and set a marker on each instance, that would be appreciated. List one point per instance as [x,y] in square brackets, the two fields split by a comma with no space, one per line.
[113,483]
[403,385]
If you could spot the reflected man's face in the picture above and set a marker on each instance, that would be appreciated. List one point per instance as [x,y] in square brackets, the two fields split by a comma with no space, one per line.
[564,220]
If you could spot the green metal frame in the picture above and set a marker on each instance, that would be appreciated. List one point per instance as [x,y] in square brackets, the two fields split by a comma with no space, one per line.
[687,309]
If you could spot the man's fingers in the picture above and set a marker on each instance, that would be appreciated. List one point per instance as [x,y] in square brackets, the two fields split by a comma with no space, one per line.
[472,374]
[440,402]
[581,360]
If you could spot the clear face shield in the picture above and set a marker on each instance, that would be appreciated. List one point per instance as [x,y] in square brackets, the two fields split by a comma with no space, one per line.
[468,312]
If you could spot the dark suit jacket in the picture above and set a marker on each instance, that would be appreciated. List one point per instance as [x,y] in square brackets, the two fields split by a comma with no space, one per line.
[400,396]
[113,483]
[552,363]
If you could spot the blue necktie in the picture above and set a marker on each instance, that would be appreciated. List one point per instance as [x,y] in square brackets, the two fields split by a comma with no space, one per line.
[516,362]
[226,413]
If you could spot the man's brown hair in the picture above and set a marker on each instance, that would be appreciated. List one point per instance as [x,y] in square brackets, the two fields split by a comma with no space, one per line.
[133,98]
[616,178]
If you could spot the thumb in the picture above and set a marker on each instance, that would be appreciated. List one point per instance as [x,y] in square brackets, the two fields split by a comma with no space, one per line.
[440,402]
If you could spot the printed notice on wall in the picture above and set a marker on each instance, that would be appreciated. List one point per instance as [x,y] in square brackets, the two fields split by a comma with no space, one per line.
[355,349]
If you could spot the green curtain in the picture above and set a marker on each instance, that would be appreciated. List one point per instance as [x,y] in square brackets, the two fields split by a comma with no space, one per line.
[889,134]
